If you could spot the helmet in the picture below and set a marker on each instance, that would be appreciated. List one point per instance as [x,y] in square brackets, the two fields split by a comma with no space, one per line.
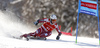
[53,17]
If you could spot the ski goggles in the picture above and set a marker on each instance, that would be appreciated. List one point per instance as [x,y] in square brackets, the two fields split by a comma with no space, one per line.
[53,19]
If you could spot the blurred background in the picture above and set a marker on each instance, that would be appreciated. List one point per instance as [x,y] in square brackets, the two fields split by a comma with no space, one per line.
[28,11]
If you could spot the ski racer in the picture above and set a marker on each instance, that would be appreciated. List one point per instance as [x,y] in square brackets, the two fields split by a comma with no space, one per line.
[46,29]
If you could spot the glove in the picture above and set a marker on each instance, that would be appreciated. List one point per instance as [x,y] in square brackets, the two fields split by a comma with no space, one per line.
[58,37]
[36,23]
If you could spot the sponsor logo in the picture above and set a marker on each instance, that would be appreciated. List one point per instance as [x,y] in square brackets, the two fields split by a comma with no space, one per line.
[89,5]
[88,12]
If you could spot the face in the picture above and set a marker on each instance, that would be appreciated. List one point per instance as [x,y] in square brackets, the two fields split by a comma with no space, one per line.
[53,21]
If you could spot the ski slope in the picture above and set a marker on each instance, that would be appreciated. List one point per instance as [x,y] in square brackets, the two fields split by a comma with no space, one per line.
[51,42]
[9,26]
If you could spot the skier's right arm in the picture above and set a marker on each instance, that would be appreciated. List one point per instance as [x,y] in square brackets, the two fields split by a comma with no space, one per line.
[40,21]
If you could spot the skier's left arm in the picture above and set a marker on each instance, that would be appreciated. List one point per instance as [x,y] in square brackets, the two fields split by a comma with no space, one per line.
[59,33]
[41,21]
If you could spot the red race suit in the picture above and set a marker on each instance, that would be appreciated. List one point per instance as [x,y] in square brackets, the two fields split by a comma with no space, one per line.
[46,29]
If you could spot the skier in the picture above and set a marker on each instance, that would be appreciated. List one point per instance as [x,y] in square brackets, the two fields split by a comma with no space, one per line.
[46,29]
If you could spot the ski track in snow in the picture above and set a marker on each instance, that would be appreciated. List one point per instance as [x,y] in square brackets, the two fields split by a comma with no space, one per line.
[9,28]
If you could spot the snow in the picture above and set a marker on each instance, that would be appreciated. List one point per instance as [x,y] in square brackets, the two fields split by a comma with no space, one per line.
[9,28]
[51,42]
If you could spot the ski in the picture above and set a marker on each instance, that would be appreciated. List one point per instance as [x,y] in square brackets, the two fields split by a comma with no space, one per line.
[28,38]
[38,38]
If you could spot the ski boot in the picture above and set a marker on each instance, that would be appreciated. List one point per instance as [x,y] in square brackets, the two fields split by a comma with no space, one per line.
[42,38]
[25,36]
[38,38]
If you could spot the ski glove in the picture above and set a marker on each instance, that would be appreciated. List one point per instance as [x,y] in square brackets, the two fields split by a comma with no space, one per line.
[58,37]
[36,23]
